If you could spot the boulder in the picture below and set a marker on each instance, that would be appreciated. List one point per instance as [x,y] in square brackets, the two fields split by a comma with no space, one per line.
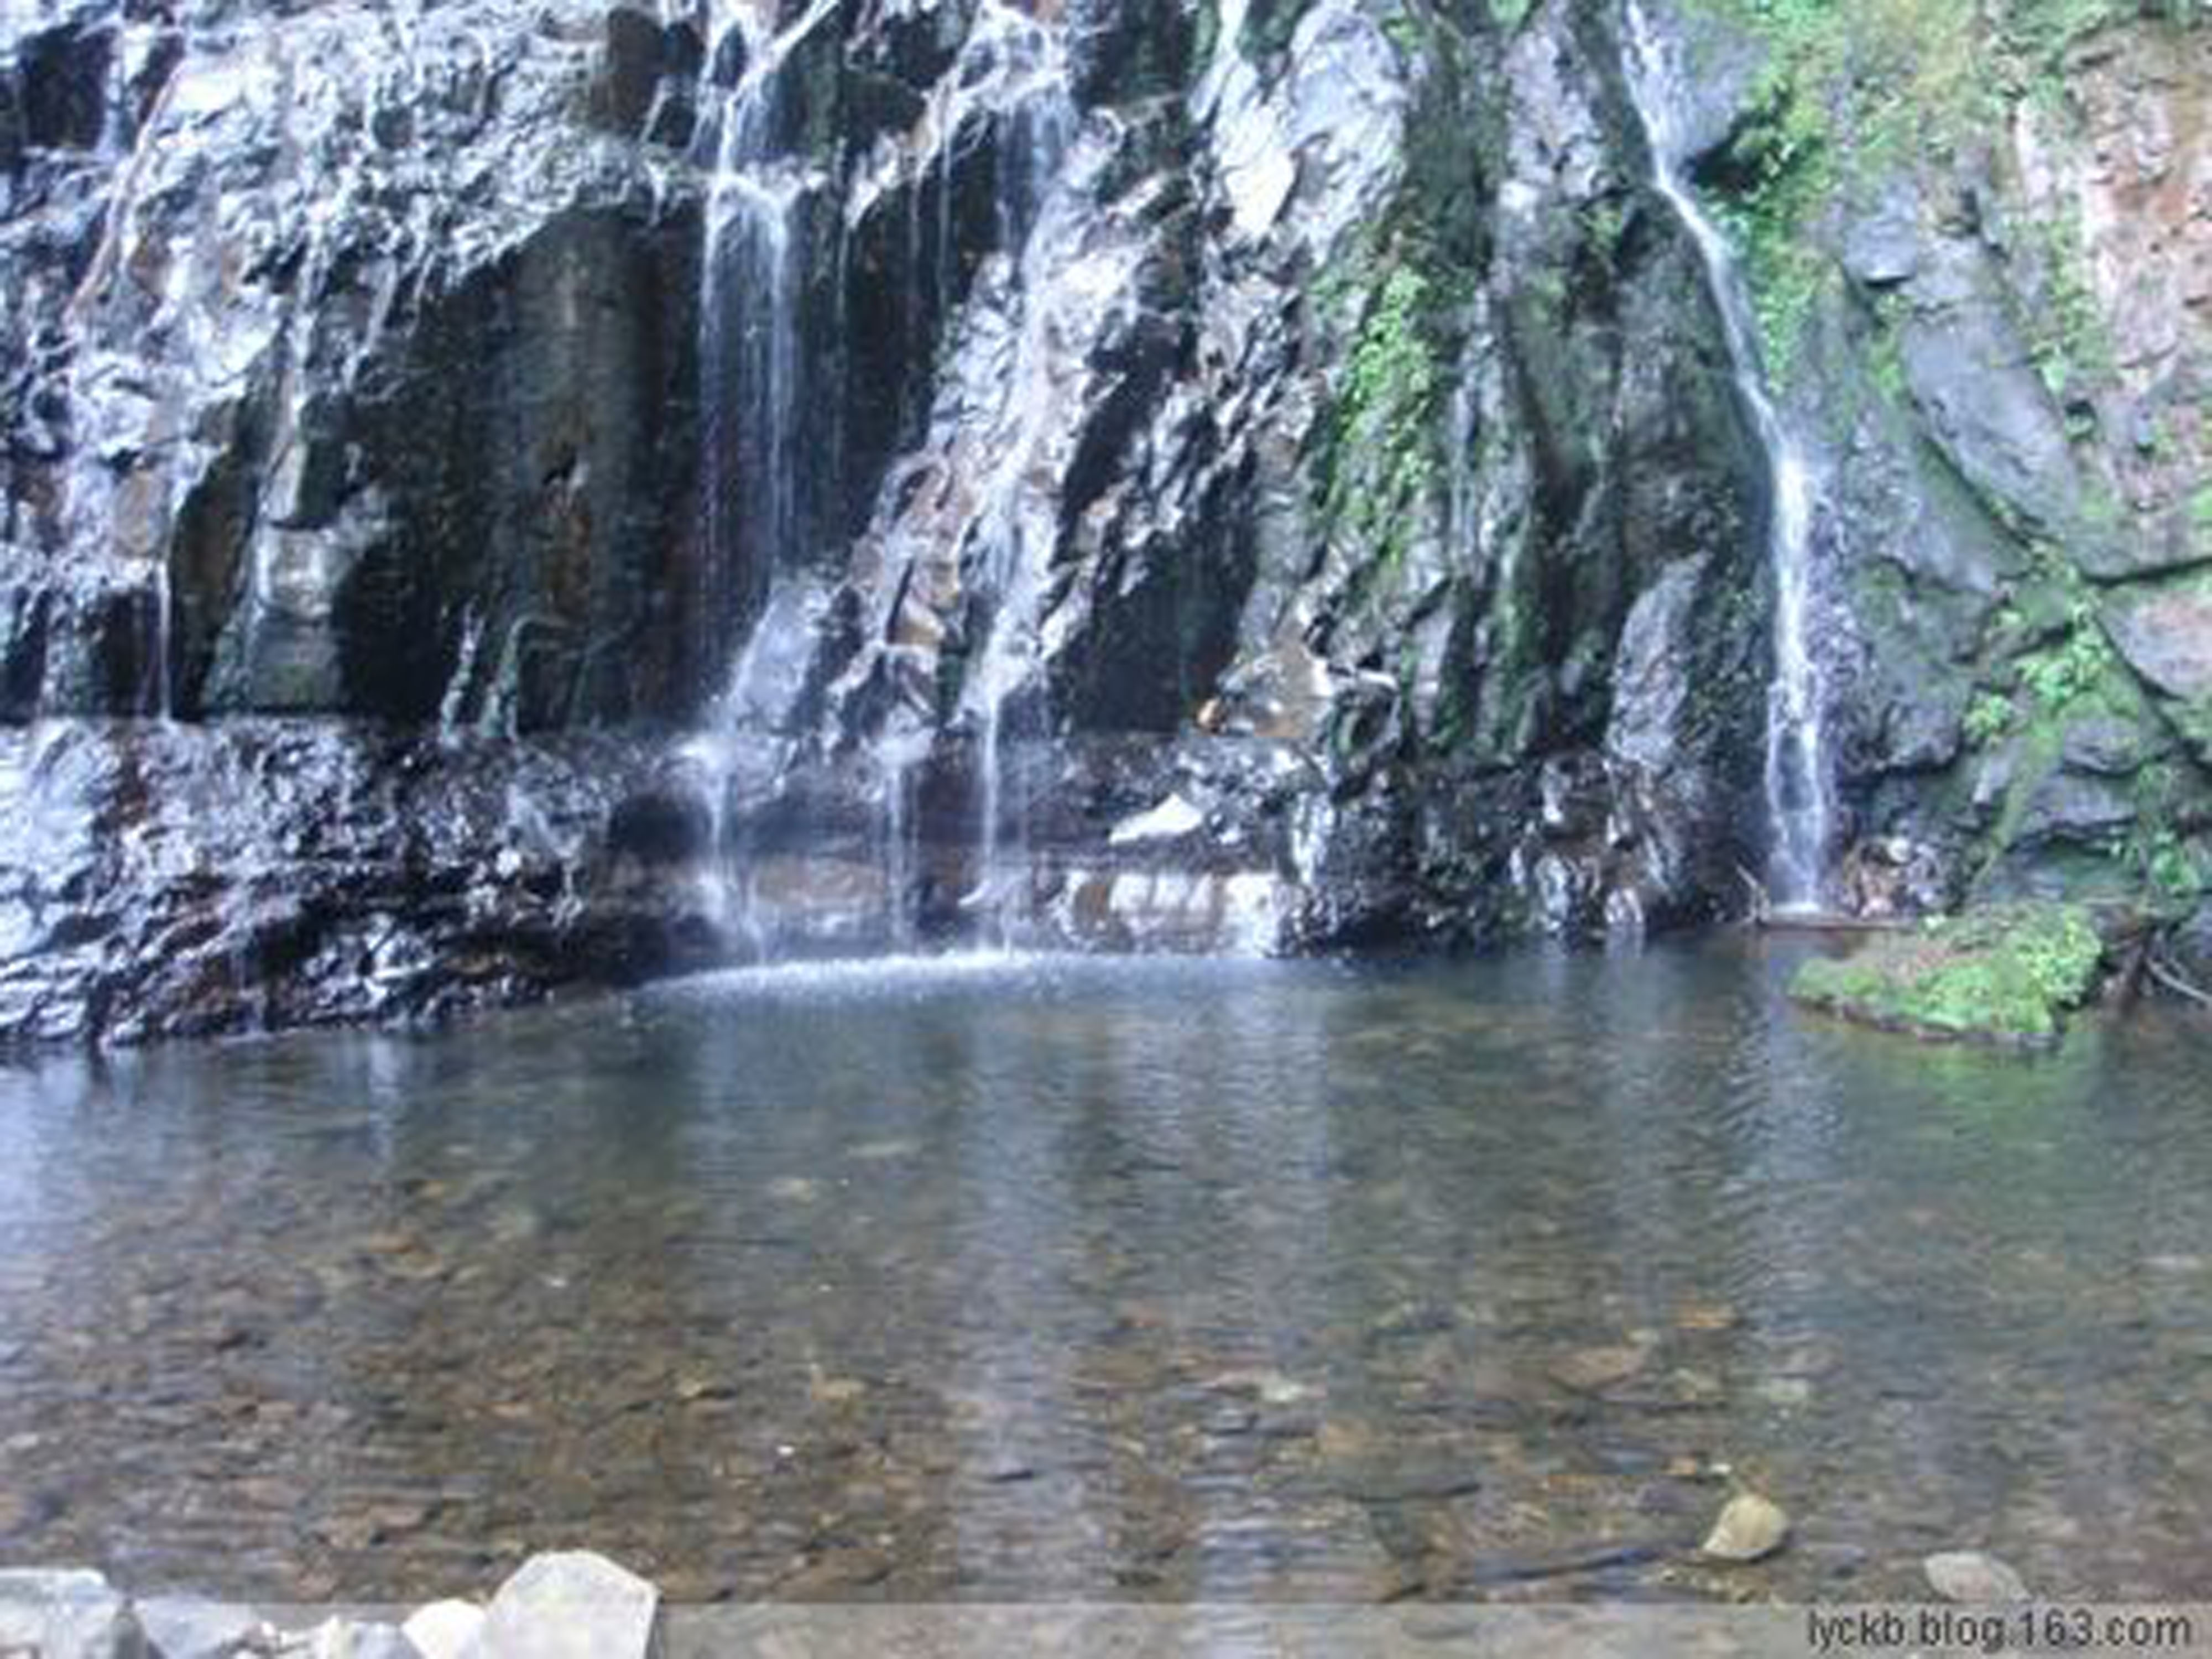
[191,1627]
[2191,944]
[69,1613]
[574,1605]
[2006,973]
[446,1630]
[1881,242]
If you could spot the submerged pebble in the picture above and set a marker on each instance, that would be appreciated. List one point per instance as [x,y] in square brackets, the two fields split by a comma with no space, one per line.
[1749,1530]
[1969,1577]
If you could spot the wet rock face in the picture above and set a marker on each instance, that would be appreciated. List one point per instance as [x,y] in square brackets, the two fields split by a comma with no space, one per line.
[2004,360]
[1303,422]
[1263,475]
[1324,383]
[349,364]
[168,880]
[349,381]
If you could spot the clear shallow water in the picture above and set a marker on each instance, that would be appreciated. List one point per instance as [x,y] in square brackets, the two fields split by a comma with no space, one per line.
[1023,1280]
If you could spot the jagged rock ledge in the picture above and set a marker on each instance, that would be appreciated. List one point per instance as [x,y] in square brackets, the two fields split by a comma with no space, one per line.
[161,879]
[573,1602]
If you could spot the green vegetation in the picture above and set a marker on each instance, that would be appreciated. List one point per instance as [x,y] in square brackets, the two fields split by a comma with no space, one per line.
[2057,670]
[2006,973]
[1855,89]
[1988,718]
[1382,464]
[2077,666]
[2056,678]
[2170,868]
[2067,335]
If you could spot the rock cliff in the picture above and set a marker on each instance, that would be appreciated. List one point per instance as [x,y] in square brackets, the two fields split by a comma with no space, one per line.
[501,495]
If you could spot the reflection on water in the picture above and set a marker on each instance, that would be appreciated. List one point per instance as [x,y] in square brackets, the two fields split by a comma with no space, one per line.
[1021,1278]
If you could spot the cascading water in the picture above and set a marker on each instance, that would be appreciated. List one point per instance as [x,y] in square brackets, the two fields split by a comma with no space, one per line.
[1798,788]
[1015,535]
[751,278]
[751,357]
[1014,72]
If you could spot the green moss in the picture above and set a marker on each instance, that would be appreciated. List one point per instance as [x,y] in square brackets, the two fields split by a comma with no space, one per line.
[1382,462]
[2009,973]
[2171,867]
[1855,89]
[1988,718]
[2067,335]
[2051,663]
[2078,668]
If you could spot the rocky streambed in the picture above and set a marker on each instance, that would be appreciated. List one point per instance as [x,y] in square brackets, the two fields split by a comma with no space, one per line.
[585,1606]
[1082,1279]
[553,1605]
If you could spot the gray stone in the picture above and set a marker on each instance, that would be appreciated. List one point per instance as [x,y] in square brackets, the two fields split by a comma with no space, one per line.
[1594,1371]
[189,1627]
[2110,747]
[1724,86]
[2067,807]
[69,1613]
[1972,1577]
[1882,244]
[1652,671]
[2192,945]
[1985,406]
[2166,635]
[569,1606]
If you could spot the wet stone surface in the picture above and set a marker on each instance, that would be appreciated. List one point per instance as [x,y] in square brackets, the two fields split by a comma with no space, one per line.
[1015,1279]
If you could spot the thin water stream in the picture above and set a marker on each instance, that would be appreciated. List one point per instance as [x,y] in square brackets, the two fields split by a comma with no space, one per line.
[1799,789]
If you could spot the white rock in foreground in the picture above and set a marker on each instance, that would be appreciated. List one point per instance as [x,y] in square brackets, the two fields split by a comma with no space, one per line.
[192,1627]
[71,1614]
[1977,1580]
[344,1639]
[1749,1530]
[445,1630]
[572,1606]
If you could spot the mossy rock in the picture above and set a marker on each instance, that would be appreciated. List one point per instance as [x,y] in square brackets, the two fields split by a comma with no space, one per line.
[2007,973]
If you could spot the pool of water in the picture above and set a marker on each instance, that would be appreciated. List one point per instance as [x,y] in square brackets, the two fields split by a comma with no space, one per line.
[1016,1279]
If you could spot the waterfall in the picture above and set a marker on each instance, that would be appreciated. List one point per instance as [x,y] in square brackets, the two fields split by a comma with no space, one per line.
[752,283]
[1015,535]
[1798,789]
[755,418]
